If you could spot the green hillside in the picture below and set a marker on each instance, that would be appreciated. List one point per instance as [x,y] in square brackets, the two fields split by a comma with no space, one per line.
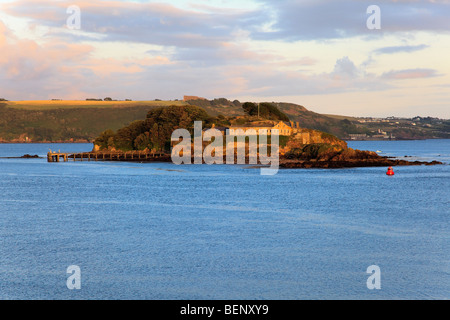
[64,121]
[71,122]
[342,126]
[296,113]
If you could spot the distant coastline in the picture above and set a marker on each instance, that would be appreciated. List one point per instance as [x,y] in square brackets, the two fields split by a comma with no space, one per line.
[60,121]
[46,142]
[92,142]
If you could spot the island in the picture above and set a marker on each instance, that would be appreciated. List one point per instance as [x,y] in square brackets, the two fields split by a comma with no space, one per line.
[299,147]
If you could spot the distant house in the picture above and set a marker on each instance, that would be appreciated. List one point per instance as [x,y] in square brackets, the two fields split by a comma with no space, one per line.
[284,128]
[223,130]
[358,136]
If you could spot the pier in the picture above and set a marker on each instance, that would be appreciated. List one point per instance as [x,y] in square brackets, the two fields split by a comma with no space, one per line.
[53,156]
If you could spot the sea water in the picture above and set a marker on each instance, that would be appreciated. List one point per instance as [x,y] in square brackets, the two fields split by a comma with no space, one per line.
[161,231]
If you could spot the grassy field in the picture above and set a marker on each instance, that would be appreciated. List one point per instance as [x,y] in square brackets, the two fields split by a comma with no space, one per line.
[77,104]
[40,121]
[338,117]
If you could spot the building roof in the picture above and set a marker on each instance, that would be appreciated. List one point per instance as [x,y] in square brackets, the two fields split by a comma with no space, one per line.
[252,125]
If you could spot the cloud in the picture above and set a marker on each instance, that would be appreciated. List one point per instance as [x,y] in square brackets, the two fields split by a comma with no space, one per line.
[69,70]
[337,19]
[23,59]
[410,74]
[152,23]
[147,50]
[398,49]
[346,76]
[208,26]
[29,69]
[345,68]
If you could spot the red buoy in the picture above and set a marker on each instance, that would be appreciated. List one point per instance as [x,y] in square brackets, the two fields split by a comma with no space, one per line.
[390,171]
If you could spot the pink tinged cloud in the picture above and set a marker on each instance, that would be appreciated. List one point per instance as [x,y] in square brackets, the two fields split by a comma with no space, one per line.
[3,33]
[27,60]
[58,67]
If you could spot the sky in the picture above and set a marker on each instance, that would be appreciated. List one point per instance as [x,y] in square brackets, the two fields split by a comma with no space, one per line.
[316,53]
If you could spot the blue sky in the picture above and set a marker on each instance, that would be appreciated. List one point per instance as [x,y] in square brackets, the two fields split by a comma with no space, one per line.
[316,53]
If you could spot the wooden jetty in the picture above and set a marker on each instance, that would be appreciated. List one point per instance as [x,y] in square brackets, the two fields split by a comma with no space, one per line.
[107,156]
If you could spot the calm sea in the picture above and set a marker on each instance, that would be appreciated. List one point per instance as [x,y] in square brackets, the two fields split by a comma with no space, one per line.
[160,231]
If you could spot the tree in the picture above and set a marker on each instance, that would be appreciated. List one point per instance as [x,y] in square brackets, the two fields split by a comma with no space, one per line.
[156,130]
[265,110]
[271,112]
[143,141]
[250,108]
[155,137]
[104,139]
[125,137]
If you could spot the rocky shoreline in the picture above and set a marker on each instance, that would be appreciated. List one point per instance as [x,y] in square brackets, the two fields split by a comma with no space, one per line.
[363,159]
[26,156]
[366,159]
[335,154]
[354,163]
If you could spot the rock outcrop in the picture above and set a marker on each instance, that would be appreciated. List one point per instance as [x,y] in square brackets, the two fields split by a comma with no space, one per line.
[315,149]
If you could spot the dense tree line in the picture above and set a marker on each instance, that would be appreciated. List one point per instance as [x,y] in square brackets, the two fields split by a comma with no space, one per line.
[265,110]
[154,133]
